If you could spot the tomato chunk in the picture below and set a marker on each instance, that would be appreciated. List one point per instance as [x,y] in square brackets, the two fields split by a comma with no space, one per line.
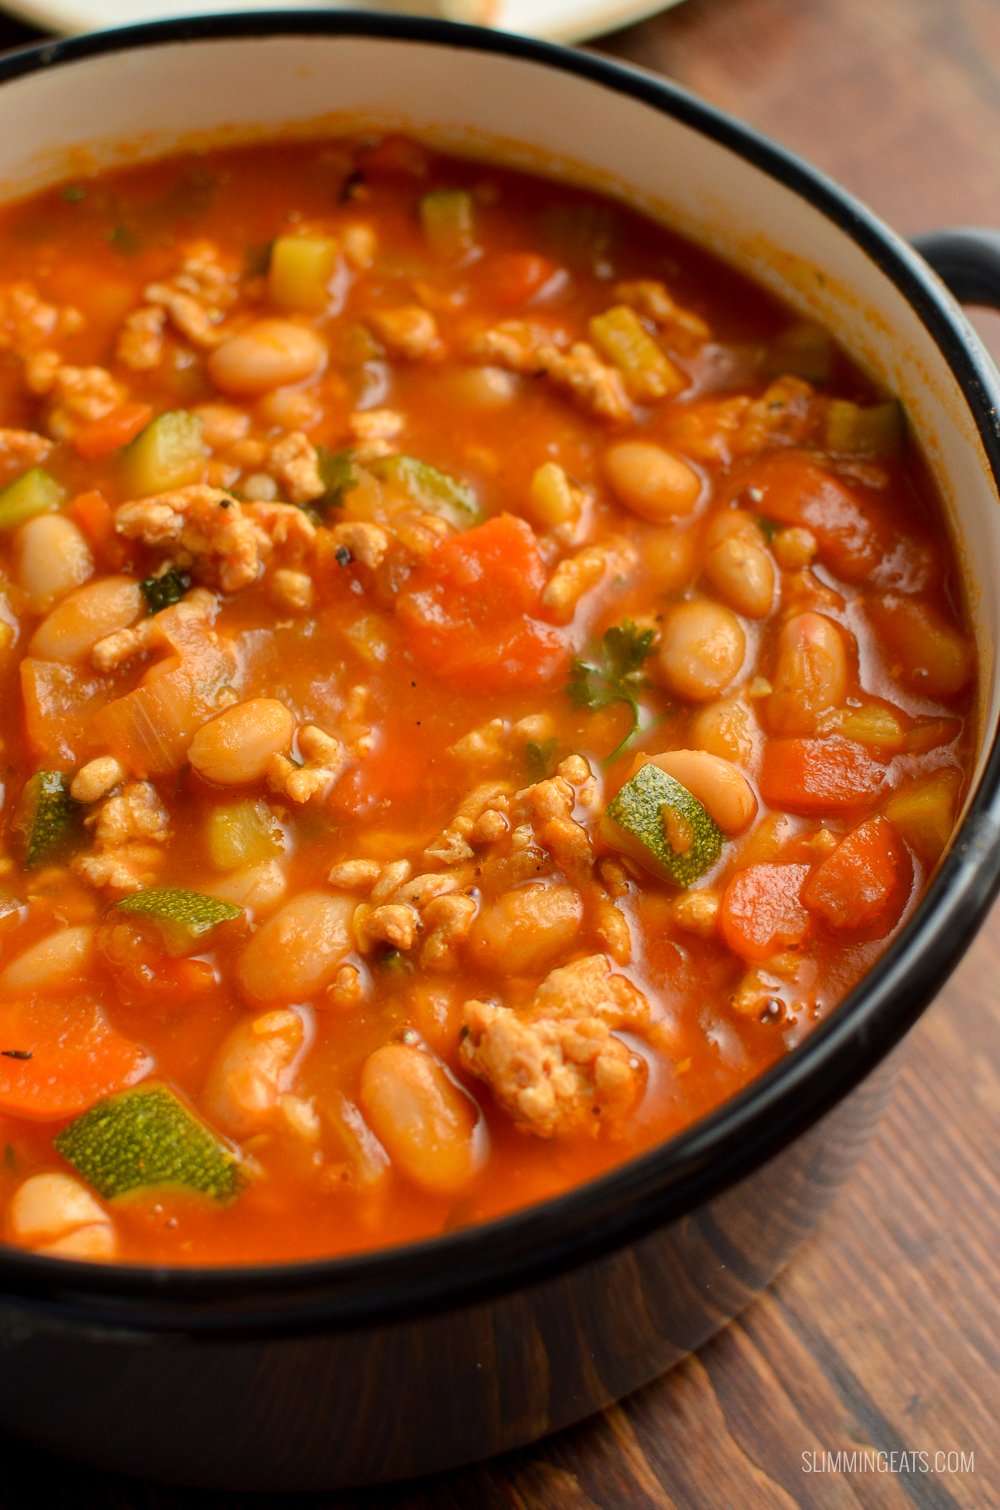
[850,531]
[864,882]
[817,776]
[515,277]
[761,911]
[469,610]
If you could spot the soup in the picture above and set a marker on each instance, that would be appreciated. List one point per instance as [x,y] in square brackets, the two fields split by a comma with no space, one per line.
[481,682]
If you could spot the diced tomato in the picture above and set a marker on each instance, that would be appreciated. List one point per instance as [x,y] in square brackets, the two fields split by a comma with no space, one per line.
[59,703]
[865,881]
[761,911]
[817,776]
[76,1058]
[103,436]
[515,277]
[470,610]
[791,488]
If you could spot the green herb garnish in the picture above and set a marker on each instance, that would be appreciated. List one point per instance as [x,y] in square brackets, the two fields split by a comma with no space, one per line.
[166,588]
[614,674]
[340,474]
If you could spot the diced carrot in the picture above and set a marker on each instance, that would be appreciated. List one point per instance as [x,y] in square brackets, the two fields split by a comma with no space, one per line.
[95,516]
[103,436]
[817,776]
[515,277]
[59,702]
[74,1058]
[864,881]
[469,610]
[761,911]
[791,488]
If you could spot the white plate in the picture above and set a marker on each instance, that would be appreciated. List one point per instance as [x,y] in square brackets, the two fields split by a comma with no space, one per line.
[552,20]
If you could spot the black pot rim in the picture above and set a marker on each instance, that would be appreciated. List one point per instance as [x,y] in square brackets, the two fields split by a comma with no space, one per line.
[660,1186]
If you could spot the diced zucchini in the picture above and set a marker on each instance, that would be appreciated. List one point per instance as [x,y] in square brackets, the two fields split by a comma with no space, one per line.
[924,811]
[165,588]
[872,725]
[649,373]
[182,918]
[242,834]
[48,818]
[34,492]
[340,473]
[169,453]
[802,350]
[146,1137]
[449,221]
[863,430]
[660,824]
[436,492]
[300,270]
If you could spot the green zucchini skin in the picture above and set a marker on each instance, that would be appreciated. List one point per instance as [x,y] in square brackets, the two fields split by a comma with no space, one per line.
[183,918]
[49,819]
[146,1137]
[634,825]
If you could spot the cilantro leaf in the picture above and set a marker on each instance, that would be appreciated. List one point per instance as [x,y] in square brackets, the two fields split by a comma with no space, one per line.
[538,758]
[613,674]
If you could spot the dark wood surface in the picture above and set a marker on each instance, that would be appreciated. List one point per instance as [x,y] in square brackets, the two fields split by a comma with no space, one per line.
[884,1333]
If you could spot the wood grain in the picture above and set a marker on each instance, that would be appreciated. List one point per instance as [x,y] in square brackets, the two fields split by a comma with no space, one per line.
[884,1333]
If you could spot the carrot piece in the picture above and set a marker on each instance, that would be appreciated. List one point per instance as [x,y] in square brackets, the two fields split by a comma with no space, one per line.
[57,1061]
[817,776]
[103,436]
[469,610]
[761,911]
[515,277]
[865,881]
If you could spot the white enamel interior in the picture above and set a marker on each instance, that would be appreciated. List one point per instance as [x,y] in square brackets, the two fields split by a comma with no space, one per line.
[143,102]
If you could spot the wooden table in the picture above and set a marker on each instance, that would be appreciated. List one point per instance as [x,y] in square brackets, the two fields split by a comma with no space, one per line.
[884,1333]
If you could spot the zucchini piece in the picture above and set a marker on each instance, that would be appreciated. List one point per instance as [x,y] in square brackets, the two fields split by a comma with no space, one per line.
[340,474]
[449,220]
[863,430]
[924,813]
[168,453]
[658,822]
[146,1137]
[165,588]
[182,918]
[801,350]
[34,492]
[48,818]
[300,270]
[436,491]
[243,833]
[648,372]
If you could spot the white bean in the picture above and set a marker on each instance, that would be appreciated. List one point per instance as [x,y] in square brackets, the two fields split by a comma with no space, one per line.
[527,928]
[426,1123]
[267,354]
[53,964]
[53,1213]
[254,1066]
[74,627]
[235,747]
[810,674]
[52,558]
[297,951]
[738,565]
[701,650]
[651,481]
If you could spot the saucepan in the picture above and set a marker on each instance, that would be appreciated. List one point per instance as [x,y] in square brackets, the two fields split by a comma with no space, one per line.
[426,1356]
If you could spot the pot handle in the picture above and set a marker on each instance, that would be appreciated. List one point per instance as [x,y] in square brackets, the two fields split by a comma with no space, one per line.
[967,260]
